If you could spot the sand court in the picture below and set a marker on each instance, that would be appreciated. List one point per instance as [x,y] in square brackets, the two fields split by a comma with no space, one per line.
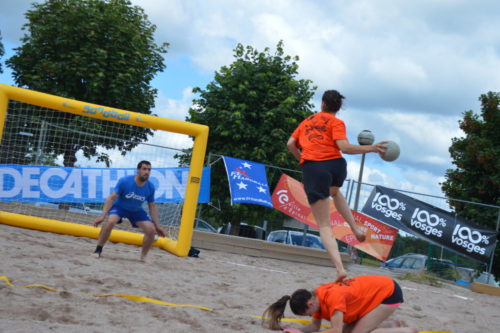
[234,287]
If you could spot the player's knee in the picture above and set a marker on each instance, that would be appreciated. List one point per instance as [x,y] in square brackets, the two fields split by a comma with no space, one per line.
[110,223]
[325,230]
[149,229]
[112,220]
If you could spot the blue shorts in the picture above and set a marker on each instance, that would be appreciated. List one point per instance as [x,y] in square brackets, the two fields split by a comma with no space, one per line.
[132,216]
[319,176]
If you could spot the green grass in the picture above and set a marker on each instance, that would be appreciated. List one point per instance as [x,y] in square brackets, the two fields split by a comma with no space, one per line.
[424,278]
[370,262]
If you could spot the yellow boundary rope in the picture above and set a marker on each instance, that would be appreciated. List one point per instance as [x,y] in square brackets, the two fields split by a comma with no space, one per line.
[130,297]
[143,299]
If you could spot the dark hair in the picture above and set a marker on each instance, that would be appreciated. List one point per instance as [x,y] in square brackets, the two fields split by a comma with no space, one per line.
[141,163]
[275,312]
[332,100]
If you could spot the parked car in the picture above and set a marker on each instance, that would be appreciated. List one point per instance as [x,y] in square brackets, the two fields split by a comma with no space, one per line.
[295,238]
[203,226]
[246,230]
[413,262]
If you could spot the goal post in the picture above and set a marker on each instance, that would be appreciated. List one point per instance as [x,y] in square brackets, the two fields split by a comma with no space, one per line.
[199,133]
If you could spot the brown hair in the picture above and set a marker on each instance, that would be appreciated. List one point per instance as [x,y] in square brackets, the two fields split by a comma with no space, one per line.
[332,100]
[275,312]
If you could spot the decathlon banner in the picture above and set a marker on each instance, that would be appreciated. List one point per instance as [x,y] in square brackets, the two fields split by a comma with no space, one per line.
[290,198]
[431,223]
[61,184]
[247,182]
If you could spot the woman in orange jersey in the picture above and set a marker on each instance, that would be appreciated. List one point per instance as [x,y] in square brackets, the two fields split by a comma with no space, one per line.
[318,143]
[359,304]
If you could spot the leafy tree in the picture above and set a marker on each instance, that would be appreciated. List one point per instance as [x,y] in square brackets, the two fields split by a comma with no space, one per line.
[252,106]
[98,51]
[477,159]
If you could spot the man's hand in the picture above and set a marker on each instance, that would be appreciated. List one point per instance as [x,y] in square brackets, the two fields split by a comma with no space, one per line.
[288,329]
[98,220]
[159,230]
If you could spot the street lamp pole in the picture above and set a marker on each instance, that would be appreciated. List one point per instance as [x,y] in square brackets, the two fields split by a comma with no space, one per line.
[360,179]
[365,138]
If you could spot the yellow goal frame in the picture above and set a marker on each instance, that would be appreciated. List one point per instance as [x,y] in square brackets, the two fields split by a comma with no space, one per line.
[179,247]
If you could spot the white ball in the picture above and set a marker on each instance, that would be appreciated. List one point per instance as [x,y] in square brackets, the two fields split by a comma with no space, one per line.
[366,138]
[392,152]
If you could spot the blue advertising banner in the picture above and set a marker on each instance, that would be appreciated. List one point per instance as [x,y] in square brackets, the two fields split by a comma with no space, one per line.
[61,184]
[431,223]
[247,182]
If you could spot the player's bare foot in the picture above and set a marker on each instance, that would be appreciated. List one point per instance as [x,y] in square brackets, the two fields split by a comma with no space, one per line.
[146,260]
[399,323]
[341,275]
[360,235]
[95,255]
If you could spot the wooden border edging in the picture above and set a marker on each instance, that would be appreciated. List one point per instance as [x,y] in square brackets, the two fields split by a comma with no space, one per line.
[260,248]
[485,289]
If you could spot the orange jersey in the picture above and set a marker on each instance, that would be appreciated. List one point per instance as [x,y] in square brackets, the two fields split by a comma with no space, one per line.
[354,297]
[316,136]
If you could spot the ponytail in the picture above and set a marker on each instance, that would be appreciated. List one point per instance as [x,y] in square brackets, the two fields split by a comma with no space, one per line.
[274,313]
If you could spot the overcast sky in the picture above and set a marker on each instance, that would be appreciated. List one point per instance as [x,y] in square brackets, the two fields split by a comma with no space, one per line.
[408,69]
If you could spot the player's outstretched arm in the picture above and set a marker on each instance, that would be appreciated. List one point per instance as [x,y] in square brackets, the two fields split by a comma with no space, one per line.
[350,149]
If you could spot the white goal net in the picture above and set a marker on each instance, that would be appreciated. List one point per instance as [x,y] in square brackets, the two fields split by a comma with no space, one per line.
[62,166]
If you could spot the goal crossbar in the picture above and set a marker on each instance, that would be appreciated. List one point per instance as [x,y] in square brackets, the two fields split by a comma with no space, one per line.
[179,247]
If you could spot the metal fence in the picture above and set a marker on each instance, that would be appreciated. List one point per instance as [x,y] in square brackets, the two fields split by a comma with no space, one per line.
[350,190]
[440,202]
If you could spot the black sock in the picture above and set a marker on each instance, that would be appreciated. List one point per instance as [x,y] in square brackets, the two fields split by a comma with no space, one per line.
[98,249]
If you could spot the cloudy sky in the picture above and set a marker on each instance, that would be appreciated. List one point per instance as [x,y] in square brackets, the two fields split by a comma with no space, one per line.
[408,69]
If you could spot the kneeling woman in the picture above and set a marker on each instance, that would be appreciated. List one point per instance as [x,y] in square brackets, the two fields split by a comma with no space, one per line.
[360,304]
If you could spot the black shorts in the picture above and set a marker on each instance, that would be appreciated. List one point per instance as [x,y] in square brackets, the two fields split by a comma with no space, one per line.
[319,176]
[396,297]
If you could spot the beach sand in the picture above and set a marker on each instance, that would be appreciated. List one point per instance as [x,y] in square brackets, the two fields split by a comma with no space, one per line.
[234,286]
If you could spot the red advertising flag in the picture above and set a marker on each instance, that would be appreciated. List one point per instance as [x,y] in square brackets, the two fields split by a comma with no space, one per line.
[379,236]
[289,197]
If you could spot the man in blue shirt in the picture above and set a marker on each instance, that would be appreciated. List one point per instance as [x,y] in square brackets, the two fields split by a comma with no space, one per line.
[126,202]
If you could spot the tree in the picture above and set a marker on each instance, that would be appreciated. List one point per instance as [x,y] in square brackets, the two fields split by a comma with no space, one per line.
[477,159]
[98,51]
[252,106]
[476,156]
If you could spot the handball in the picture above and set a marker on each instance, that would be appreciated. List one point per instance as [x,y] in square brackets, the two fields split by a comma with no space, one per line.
[391,153]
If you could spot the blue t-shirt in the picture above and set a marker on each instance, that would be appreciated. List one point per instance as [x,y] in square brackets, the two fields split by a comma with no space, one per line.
[131,197]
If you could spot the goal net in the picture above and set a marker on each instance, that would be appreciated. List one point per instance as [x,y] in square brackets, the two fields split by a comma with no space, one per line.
[60,159]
